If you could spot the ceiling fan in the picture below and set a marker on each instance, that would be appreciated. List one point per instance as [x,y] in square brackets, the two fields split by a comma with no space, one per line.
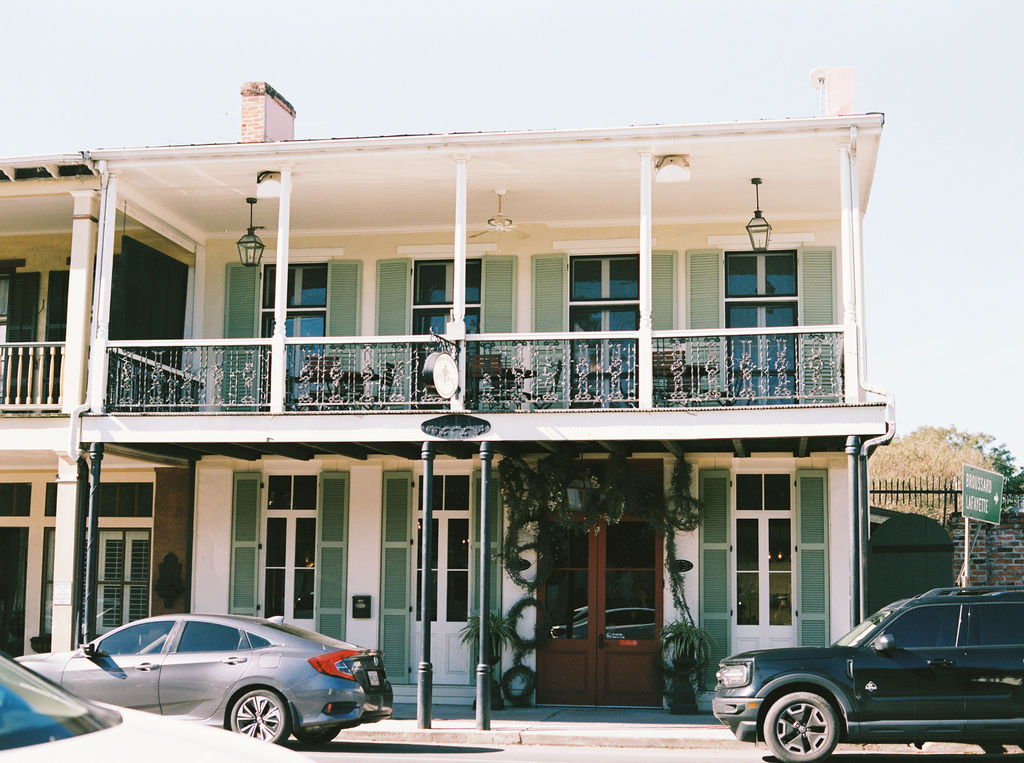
[500,223]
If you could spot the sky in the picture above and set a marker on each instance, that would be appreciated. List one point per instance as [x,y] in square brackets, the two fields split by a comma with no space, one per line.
[943,247]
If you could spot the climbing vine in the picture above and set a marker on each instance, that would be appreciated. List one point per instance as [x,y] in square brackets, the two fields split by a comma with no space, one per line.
[537,503]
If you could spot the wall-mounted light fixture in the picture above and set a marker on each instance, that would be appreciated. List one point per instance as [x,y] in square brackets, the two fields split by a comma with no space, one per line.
[250,248]
[758,228]
[674,168]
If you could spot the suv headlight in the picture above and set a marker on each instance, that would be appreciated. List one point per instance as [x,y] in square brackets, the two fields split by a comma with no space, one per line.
[732,676]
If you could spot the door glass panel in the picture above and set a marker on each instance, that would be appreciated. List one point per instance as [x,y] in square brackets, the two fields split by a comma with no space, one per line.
[145,638]
[273,599]
[630,554]
[279,492]
[565,593]
[457,599]
[304,494]
[13,565]
[456,492]
[302,605]
[276,542]
[997,625]
[776,492]
[305,560]
[780,578]
[748,492]
[747,577]
[211,637]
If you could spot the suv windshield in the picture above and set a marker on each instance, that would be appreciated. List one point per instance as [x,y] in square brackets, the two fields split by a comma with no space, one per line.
[856,636]
[33,711]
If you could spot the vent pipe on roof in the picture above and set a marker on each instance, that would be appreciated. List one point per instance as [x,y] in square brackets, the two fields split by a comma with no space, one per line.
[835,90]
[266,115]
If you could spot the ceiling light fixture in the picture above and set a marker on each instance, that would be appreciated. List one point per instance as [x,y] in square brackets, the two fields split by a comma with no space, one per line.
[758,228]
[674,168]
[250,248]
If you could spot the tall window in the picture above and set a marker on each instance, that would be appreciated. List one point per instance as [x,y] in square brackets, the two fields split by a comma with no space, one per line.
[605,293]
[764,569]
[433,295]
[760,289]
[307,301]
[449,559]
[290,561]
[123,579]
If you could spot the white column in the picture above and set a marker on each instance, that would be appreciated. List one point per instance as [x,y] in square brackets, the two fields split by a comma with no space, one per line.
[456,329]
[858,255]
[278,362]
[850,340]
[645,350]
[84,226]
[64,572]
[101,311]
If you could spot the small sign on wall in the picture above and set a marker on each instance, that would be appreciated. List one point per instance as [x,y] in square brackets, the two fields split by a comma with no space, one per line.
[62,592]
[361,607]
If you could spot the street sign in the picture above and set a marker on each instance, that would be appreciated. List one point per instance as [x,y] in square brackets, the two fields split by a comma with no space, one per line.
[982,494]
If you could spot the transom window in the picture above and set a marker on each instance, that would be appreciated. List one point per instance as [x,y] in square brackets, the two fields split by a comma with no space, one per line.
[434,295]
[604,293]
[307,301]
[760,289]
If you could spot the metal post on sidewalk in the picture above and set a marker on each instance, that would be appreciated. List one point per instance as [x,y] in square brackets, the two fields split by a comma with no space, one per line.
[483,668]
[425,684]
[92,548]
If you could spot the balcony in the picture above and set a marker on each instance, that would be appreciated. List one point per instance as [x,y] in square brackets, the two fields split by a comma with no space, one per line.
[502,373]
[30,376]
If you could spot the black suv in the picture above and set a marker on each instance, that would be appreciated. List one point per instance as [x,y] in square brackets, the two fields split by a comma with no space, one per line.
[945,666]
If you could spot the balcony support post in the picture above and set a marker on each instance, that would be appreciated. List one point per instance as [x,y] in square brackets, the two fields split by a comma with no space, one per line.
[72,479]
[101,295]
[425,673]
[645,349]
[850,342]
[455,329]
[278,350]
[84,226]
[483,666]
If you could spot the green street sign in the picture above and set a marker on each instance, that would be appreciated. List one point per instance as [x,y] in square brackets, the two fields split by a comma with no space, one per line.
[982,494]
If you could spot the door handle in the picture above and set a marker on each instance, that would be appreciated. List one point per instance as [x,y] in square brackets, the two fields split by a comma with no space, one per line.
[600,641]
[942,662]
[145,667]
[234,660]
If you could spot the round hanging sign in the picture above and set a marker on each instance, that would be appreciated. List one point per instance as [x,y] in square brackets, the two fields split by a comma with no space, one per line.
[441,373]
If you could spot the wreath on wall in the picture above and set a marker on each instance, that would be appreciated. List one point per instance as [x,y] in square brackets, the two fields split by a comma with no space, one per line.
[536,500]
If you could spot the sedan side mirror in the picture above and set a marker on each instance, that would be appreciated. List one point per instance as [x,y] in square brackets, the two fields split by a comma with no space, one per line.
[885,643]
[91,651]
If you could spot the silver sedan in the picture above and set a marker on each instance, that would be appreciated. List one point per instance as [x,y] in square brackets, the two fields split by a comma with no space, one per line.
[258,677]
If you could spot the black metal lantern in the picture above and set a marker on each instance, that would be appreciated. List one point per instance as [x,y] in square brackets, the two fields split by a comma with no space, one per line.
[250,248]
[758,228]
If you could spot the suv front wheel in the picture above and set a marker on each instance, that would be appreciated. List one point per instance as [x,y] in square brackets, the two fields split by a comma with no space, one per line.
[801,728]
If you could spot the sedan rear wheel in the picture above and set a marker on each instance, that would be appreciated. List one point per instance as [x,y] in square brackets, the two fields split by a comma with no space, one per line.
[801,728]
[261,714]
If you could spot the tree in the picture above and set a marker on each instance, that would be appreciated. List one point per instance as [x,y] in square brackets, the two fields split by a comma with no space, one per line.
[936,455]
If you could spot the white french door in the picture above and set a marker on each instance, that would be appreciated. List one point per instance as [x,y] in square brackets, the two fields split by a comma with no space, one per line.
[449,575]
[763,562]
[289,550]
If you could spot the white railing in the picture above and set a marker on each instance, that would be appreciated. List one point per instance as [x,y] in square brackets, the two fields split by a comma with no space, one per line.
[30,375]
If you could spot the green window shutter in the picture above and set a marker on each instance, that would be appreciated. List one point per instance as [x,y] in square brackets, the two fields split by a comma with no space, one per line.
[343,303]
[704,281]
[817,286]
[393,296]
[57,306]
[332,549]
[715,609]
[812,557]
[23,307]
[241,287]
[494,515]
[395,583]
[549,292]
[663,290]
[245,538]
[499,280]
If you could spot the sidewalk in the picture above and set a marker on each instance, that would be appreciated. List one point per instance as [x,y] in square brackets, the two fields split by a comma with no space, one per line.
[578,726]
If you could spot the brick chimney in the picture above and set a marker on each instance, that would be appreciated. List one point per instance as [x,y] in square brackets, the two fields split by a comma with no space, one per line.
[266,115]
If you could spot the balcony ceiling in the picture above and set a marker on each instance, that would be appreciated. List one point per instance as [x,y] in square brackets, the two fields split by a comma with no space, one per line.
[408,184]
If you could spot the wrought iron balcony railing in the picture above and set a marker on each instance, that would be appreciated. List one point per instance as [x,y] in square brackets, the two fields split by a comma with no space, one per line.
[502,373]
[30,375]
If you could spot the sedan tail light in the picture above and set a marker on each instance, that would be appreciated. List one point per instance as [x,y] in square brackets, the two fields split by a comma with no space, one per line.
[338,663]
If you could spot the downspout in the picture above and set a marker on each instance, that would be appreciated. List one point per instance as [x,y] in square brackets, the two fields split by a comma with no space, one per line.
[868,446]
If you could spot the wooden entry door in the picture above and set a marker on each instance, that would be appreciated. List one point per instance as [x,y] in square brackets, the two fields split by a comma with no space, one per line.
[604,598]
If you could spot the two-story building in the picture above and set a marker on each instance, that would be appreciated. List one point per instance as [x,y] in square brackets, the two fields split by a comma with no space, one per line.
[262,418]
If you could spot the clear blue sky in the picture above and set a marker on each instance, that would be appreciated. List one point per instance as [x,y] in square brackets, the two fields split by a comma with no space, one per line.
[945,266]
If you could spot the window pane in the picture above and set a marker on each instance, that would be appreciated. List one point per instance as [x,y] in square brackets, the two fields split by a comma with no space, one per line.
[457,604]
[776,492]
[779,557]
[145,638]
[304,495]
[473,282]
[273,600]
[276,541]
[313,289]
[458,544]
[585,319]
[568,548]
[432,283]
[747,551]
[472,320]
[456,492]
[269,276]
[630,545]
[565,597]
[748,492]
[927,627]
[747,598]
[780,315]
[740,316]
[586,278]
[211,637]
[997,625]
[629,604]
[780,610]
[741,275]
[780,275]
[279,492]
[302,606]
[624,319]
[433,545]
[309,325]
[305,542]
[423,321]
[624,278]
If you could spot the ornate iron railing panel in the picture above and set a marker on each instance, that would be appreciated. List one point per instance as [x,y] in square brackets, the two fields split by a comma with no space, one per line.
[30,375]
[359,376]
[789,367]
[189,378]
[593,371]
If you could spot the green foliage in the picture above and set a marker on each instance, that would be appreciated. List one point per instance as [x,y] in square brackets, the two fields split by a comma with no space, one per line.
[500,633]
[686,649]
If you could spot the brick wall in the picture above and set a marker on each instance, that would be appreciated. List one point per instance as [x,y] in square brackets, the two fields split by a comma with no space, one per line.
[997,557]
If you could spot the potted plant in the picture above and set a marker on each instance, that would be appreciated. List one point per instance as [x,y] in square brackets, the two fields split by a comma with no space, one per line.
[686,648]
[499,633]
